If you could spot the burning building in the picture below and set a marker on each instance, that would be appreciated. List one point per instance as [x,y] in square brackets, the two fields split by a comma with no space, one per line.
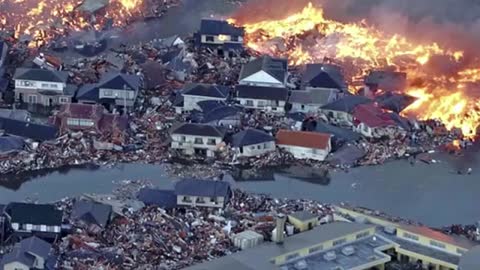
[307,36]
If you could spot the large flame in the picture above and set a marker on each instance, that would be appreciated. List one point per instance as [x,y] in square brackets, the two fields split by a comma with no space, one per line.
[307,36]
[46,19]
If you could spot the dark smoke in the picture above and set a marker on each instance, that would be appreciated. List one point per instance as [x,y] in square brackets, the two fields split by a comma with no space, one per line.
[451,23]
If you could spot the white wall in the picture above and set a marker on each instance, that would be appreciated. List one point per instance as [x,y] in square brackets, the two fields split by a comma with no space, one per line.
[190,102]
[262,78]
[40,85]
[220,39]
[116,94]
[307,108]
[364,130]
[188,142]
[255,149]
[15,266]
[220,201]
[307,153]
[263,104]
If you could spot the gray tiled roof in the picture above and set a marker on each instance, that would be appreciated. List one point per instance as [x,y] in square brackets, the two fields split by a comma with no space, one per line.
[37,74]
[218,27]
[116,80]
[199,130]
[275,67]
[35,246]
[36,214]
[206,90]
[204,188]
[347,103]
[250,136]
[324,76]
[92,212]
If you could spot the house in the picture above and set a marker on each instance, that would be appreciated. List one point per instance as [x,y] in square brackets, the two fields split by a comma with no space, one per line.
[341,110]
[93,214]
[371,121]
[166,199]
[193,93]
[252,142]
[29,253]
[220,35]
[305,145]
[303,220]
[42,87]
[310,101]
[386,80]
[10,144]
[203,193]
[224,116]
[339,135]
[271,99]
[76,116]
[197,139]
[42,220]
[114,91]
[27,129]
[3,53]
[265,71]
[324,77]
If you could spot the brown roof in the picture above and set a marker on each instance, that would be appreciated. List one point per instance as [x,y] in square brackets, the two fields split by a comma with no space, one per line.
[303,139]
[77,110]
[439,236]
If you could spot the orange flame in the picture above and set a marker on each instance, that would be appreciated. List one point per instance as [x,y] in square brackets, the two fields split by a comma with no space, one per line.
[307,36]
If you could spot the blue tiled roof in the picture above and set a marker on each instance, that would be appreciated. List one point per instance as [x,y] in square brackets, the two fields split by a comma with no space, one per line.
[206,90]
[199,130]
[37,74]
[221,112]
[88,92]
[324,76]
[24,129]
[36,246]
[250,137]
[217,27]
[10,143]
[347,103]
[203,188]
[163,198]
[209,105]
[337,132]
[117,81]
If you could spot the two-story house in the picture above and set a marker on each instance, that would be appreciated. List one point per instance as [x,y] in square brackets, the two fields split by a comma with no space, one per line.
[305,145]
[3,53]
[114,91]
[310,101]
[371,121]
[42,87]
[340,111]
[324,77]
[202,193]
[197,139]
[42,220]
[196,92]
[220,35]
[271,99]
[29,253]
[265,71]
[252,142]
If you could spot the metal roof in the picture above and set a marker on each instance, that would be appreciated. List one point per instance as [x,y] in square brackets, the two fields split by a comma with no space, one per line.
[163,198]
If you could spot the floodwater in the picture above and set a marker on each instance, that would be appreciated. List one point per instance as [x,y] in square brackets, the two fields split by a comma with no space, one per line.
[433,194]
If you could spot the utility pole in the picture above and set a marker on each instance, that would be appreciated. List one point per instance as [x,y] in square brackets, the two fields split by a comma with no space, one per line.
[125,99]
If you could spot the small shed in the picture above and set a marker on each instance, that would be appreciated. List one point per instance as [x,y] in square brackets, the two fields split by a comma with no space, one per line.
[247,239]
[303,220]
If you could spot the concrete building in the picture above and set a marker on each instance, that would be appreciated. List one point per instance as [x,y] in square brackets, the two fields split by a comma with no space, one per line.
[197,139]
[202,193]
[265,71]
[269,99]
[305,145]
[303,220]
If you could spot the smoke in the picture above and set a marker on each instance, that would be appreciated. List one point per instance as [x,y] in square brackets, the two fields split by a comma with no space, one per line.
[451,23]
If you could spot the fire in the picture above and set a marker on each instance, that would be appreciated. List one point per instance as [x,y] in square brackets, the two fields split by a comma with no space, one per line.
[46,19]
[307,36]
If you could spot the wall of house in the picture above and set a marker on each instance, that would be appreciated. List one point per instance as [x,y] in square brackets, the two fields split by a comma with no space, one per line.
[217,202]
[15,266]
[307,153]
[423,240]
[40,85]
[187,142]
[35,228]
[303,225]
[262,78]
[220,39]
[38,98]
[120,96]
[340,117]
[305,108]
[234,122]
[348,238]
[263,104]
[255,149]
[190,101]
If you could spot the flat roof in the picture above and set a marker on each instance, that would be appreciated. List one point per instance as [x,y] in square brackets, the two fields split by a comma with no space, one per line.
[439,236]
[303,215]
[259,257]
[364,254]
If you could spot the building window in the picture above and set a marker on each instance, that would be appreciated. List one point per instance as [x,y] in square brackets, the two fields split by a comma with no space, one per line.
[265,146]
[437,244]
[80,122]
[209,38]
[32,99]
[26,83]
[198,141]
[29,227]
[183,139]
[211,142]
[43,228]
[410,236]
[261,103]
[200,200]
[315,249]
[63,100]
[292,256]
[234,38]
[108,93]
[362,235]
[44,85]
[56,229]
[53,85]
[249,103]
[339,242]
[213,199]
[186,199]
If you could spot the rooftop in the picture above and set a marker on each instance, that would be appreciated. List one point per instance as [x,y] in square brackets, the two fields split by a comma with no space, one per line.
[275,67]
[218,27]
[36,214]
[372,116]
[206,90]
[250,137]
[29,130]
[37,74]
[92,212]
[346,104]
[306,139]
[163,198]
[303,215]
[324,76]
[204,188]
[199,130]
[119,81]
